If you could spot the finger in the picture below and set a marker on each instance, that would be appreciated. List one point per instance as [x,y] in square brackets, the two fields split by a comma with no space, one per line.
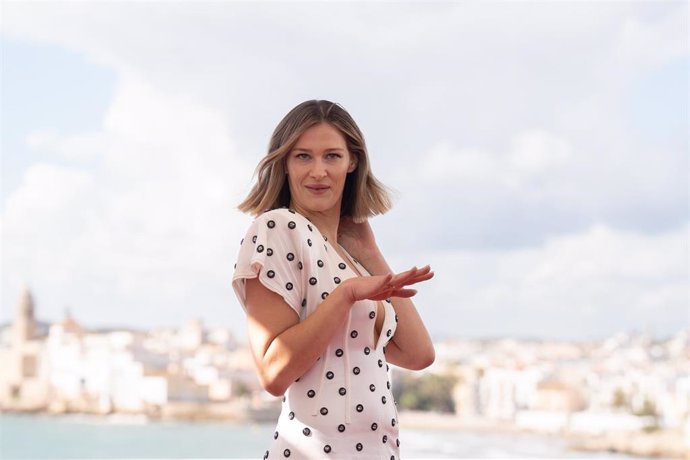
[425,277]
[403,276]
[422,271]
[384,284]
[404,292]
[417,278]
[425,269]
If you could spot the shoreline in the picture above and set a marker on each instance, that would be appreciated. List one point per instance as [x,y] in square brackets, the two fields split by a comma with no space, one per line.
[666,444]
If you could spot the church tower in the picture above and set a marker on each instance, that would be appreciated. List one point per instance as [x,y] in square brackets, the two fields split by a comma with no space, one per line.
[24,326]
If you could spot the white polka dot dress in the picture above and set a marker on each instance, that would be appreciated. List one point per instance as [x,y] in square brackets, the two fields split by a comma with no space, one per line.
[342,408]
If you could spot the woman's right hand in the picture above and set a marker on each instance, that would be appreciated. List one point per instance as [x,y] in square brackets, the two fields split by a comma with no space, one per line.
[381,287]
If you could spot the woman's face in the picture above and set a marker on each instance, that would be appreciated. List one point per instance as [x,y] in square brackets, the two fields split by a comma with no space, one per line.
[317,167]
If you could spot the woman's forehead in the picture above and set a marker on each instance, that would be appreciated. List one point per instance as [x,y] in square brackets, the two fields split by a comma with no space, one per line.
[321,136]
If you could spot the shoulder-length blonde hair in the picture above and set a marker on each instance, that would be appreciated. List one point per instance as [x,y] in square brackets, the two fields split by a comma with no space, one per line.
[363,196]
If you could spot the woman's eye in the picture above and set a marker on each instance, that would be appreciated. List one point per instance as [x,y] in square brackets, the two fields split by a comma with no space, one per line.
[302,156]
[333,156]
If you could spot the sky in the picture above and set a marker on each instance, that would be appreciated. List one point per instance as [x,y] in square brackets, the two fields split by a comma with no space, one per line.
[538,152]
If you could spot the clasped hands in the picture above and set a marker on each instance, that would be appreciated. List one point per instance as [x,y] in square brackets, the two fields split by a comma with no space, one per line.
[381,287]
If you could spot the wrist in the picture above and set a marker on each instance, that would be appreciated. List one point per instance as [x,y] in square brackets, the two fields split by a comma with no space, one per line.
[375,263]
[343,294]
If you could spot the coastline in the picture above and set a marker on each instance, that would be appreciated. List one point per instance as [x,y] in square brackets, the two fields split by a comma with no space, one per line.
[666,444]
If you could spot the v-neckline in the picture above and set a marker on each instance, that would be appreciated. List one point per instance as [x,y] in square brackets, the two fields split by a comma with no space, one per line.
[350,261]
[378,303]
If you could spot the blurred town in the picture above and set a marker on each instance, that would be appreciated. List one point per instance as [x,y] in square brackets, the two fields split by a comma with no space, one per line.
[628,393]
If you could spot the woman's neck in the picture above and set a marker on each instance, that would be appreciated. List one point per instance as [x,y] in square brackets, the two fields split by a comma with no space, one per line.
[326,222]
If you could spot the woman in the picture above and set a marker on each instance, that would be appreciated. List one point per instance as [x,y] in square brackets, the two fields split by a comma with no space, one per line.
[325,311]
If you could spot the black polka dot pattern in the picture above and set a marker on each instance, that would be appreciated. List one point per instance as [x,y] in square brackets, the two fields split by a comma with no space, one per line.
[349,384]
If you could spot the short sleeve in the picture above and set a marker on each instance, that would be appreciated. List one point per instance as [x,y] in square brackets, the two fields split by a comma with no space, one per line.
[272,251]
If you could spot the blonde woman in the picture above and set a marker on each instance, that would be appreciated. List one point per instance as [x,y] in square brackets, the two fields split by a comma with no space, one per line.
[326,314]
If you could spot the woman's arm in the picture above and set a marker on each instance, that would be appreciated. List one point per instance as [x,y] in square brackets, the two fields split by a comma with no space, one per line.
[411,346]
[285,348]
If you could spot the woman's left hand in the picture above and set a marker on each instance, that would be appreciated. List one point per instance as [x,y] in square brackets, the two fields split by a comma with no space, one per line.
[357,239]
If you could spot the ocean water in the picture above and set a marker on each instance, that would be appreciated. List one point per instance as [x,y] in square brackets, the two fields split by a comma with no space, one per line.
[130,437]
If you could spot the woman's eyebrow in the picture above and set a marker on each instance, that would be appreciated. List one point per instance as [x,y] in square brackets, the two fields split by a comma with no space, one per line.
[309,151]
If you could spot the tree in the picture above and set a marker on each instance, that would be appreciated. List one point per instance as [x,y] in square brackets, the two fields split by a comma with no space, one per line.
[430,392]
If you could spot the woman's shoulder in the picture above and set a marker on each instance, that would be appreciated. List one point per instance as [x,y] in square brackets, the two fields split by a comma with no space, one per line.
[284,224]
[286,216]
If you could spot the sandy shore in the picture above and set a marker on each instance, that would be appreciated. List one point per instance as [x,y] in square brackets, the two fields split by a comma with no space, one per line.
[669,444]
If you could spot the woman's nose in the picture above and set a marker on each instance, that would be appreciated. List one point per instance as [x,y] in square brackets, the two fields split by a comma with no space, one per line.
[318,170]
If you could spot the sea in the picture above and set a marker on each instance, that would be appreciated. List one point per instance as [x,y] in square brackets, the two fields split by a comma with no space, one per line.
[25,436]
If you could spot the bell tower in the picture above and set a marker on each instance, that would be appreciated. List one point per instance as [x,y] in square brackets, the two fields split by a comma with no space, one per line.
[24,326]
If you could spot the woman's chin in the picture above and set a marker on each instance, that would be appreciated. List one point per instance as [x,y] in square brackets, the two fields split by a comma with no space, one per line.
[317,207]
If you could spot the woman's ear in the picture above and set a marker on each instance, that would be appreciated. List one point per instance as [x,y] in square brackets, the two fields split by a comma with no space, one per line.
[353,163]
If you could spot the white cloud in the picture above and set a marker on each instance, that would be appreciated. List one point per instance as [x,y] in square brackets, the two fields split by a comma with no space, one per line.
[74,146]
[573,286]
[156,222]
[530,156]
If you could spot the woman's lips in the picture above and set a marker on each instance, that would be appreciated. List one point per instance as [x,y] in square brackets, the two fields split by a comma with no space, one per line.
[317,189]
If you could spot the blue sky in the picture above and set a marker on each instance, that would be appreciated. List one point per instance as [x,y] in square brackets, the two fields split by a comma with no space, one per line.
[539,151]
